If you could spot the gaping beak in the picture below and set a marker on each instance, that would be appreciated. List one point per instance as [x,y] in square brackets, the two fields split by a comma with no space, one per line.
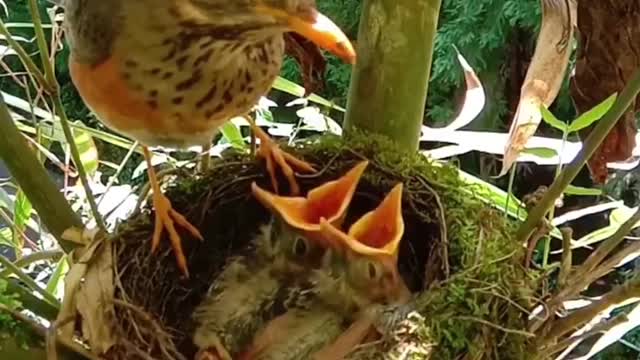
[376,233]
[317,28]
[376,236]
[329,201]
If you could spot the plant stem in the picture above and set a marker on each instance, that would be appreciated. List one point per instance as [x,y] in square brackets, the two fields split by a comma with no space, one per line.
[30,301]
[28,281]
[24,57]
[52,207]
[595,138]
[59,110]
[611,243]
[46,255]
[388,89]
[577,318]
[512,176]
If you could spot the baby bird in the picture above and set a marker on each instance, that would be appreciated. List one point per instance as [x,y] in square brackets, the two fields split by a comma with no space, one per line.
[358,272]
[245,293]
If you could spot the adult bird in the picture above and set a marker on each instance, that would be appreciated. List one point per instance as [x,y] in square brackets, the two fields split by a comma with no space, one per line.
[171,72]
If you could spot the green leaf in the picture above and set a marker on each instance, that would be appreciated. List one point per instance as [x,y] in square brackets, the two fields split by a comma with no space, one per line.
[61,268]
[617,217]
[292,88]
[5,237]
[592,115]
[542,152]
[5,199]
[233,135]
[22,210]
[87,149]
[552,120]
[582,191]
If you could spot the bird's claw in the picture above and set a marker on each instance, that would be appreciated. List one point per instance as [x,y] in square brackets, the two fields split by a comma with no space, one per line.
[274,156]
[166,218]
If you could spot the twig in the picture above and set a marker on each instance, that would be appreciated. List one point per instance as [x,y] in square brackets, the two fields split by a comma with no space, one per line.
[59,109]
[611,243]
[28,281]
[42,331]
[573,341]
[443,225]
[112,179]
[24,57]
[623,292]
[566,262]
[35,257]
[496,326]
[586,275]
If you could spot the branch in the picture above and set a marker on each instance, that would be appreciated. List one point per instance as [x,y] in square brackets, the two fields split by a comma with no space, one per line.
[59,110]
[52,207]
[590,145]
[630,289]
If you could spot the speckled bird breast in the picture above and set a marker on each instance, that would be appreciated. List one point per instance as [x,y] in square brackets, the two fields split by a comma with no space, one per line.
[172,81]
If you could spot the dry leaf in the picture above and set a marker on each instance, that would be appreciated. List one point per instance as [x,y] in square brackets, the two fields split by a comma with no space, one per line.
[544,76]
[89,293]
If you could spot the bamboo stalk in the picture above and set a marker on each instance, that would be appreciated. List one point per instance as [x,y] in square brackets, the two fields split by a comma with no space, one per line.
[52,207]
[388,89]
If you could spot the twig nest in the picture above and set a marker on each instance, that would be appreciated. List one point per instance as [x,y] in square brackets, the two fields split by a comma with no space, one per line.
[456,255]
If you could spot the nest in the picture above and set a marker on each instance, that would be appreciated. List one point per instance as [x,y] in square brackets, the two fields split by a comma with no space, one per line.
[456,253]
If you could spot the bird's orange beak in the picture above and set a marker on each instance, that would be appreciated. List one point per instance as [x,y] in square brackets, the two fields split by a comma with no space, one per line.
[329,201]
[317,28]
[377,233]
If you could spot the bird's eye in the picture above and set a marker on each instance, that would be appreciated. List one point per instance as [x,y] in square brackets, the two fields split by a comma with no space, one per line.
[373,270]
[300,247]
[365,272]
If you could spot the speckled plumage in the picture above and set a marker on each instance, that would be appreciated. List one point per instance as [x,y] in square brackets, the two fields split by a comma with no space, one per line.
[194,73]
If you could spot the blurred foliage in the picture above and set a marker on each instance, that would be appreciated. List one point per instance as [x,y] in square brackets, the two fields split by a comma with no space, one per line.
[8,325]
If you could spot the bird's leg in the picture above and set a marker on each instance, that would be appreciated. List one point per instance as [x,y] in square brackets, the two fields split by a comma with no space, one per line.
[274,156]
[166,218]
[205,157]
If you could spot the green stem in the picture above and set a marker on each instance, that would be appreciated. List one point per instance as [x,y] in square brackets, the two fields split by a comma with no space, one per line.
[59,110]
[23,56]
[28,281]
[389,85]
[592,142]
[607,247]
[48,255]
[547,239]
[52,207]
[30,301]
[43,47]
[119,170]
[512,177]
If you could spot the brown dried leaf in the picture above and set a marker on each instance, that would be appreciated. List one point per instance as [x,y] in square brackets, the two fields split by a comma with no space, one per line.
[309,58]
[544,76]
[89,293]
